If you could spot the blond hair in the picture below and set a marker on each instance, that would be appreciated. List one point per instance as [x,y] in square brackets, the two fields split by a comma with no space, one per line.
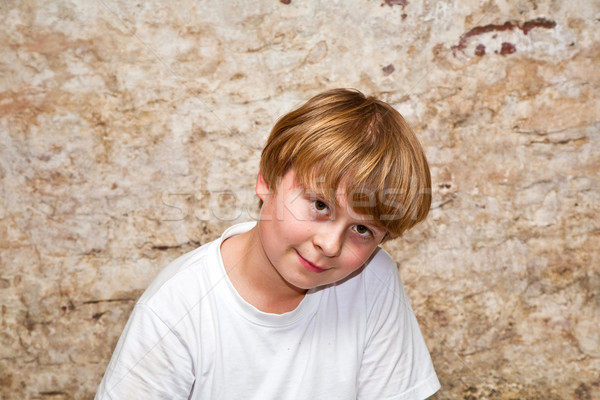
[343,137]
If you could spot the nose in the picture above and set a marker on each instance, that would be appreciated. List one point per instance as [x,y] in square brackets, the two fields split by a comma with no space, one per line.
[329,241]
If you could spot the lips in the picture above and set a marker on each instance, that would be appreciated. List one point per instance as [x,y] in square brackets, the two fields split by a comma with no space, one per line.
[308,265]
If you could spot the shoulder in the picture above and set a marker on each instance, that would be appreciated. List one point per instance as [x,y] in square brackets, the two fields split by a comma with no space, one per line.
[383,288]
[376,283]
[381,270]
[178,287]
[186,280]
[382,261]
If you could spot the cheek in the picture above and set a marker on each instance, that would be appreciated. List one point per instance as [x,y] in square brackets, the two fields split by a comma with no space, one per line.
[296,224]
[293,232]
[283,228]
[356,256]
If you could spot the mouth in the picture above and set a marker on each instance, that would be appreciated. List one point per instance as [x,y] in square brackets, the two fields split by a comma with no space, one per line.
[310,266]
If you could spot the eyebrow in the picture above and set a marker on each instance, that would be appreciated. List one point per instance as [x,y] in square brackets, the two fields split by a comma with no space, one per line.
[319,194]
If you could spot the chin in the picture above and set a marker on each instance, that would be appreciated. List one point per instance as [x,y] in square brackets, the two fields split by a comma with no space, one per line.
[304,284]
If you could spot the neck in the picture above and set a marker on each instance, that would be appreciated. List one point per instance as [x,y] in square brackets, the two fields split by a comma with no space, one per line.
[255,278]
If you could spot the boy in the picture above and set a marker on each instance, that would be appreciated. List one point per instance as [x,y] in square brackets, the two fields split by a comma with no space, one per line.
[302,304]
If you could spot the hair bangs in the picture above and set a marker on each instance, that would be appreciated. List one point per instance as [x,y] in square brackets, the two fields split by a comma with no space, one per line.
[343,140]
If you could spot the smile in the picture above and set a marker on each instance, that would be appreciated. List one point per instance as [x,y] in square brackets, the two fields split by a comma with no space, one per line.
[308,265]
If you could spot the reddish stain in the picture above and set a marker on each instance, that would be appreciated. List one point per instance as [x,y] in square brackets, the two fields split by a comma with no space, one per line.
[507,26]
[402,3]
[480,50]
[285,1]
[480,30]
[403,16]
[507,48]
[537,23]
[387,70]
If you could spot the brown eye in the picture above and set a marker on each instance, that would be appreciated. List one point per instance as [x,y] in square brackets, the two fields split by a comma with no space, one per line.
[362,230]
[320,206]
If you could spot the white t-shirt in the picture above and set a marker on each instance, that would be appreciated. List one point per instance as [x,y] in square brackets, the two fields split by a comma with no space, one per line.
[192,336]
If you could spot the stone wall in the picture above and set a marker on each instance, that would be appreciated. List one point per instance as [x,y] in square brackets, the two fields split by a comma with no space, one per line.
[130,133]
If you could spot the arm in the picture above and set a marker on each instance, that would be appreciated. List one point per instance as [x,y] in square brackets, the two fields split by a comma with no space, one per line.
[396,363]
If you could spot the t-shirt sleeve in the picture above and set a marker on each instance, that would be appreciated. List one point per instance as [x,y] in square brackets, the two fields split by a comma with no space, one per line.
[396,363]
[149,362]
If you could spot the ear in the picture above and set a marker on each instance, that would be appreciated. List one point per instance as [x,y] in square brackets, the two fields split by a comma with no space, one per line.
[262,188]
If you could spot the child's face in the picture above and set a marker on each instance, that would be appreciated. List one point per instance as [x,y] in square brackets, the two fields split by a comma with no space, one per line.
[309,242]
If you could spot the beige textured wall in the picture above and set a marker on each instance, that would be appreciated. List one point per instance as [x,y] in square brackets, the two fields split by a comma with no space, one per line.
[130,133]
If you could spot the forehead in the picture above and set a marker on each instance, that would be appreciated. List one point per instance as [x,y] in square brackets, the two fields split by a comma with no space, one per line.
[317,186]
[360,203]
